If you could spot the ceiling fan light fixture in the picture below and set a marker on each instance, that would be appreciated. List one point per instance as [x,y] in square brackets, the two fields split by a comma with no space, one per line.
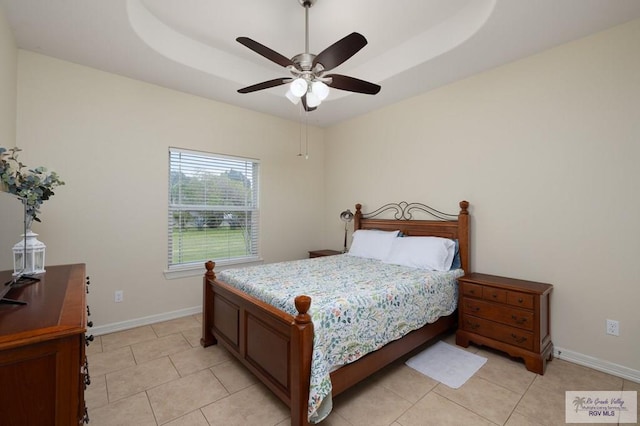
[293,98]
[320,89]
[313,100]
[299,87]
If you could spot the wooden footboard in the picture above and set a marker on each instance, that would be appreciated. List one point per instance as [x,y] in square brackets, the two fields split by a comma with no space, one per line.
[273,345]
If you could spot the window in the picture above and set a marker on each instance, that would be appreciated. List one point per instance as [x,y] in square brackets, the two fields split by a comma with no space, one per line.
[213,209]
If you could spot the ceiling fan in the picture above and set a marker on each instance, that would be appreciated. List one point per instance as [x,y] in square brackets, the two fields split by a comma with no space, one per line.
[309,81]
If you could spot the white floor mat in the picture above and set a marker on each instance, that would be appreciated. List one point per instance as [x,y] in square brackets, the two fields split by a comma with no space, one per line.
[447,364]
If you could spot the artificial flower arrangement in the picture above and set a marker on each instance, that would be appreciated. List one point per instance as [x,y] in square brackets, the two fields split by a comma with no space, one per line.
[31,186]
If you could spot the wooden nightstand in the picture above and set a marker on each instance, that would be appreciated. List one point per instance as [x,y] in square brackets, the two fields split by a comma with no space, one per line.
[507,314]
[321,253]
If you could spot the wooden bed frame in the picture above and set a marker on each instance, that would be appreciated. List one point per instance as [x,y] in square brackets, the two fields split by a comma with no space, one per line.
[277,346]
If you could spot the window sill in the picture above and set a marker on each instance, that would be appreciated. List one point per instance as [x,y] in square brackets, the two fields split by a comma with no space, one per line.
[197,269]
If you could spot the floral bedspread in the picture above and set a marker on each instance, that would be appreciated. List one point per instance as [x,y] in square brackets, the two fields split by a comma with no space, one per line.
[357,306]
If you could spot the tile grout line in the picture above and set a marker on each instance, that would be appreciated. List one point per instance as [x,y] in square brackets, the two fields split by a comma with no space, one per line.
[461,406]
[151,407]
[520,400]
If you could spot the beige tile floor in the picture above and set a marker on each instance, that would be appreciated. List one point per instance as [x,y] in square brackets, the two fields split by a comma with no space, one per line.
[159,375]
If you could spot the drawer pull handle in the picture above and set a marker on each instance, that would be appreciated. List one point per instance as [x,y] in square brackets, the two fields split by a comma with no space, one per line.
[494,295]
[520,300]
[472,292]
[519,320]
[518,339]
[85,373]
[473,308]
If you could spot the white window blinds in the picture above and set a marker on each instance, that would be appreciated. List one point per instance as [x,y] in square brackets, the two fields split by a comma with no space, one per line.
[213,208]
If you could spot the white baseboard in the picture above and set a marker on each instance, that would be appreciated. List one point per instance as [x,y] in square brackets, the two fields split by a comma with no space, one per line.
[597,364]
[152,319]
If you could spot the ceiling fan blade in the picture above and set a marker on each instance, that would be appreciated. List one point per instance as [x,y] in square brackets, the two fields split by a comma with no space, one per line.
[340,51]
[351,84]
[306,107]
[263,50]
[264,85]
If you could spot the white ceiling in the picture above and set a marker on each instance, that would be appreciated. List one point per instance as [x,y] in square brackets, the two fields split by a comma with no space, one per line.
[414,45]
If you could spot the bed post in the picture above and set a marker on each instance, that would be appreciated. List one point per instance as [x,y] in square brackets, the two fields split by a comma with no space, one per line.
[463,236]
[301,354]
[357,217]
[207,338]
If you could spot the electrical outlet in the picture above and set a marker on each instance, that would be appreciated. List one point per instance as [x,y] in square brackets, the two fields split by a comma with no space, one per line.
[118,296]
[613,327]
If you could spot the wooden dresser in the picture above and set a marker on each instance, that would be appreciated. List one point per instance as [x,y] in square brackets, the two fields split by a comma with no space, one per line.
[507,314]
[43,369]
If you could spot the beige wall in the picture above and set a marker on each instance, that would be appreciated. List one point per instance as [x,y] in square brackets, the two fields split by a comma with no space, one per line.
[546,149]
[108,138]
[10,210]
[8,72]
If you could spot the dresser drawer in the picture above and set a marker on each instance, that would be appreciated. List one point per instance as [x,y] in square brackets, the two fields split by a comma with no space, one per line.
[522,300]
[494,294]
[471,290]
[500,313]
[504,333]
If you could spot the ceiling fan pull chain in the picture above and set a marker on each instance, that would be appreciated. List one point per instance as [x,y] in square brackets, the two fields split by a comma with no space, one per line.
[301,127]
[306,122]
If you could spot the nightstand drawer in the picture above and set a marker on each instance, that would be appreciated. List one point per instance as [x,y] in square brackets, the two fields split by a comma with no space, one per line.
[472,290]
[521,300]
[503,314]
[511,335]
[494,294]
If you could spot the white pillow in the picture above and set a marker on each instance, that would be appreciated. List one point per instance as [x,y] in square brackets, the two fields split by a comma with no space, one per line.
[372,244]
[432,253]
